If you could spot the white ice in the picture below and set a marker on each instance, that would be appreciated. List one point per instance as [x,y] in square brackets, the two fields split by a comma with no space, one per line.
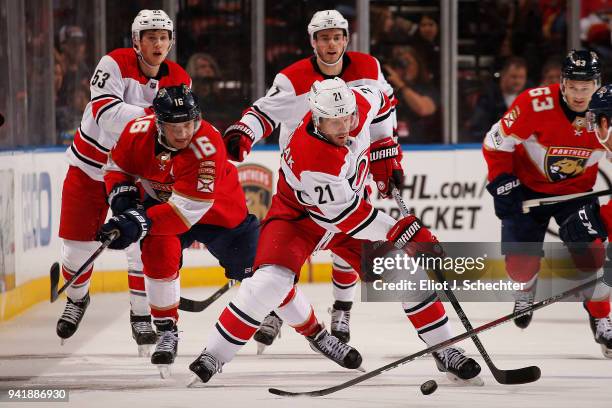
[100,367]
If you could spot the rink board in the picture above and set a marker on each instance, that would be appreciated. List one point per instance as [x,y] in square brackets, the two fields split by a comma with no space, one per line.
[444,185]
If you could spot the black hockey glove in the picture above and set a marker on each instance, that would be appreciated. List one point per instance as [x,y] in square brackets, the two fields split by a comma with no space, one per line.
[507,195]
[583,226]
[122,197]
[132,225]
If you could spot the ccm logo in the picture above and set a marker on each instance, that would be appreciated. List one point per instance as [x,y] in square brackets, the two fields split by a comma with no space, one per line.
[408,234]
[506,188]
[585,221]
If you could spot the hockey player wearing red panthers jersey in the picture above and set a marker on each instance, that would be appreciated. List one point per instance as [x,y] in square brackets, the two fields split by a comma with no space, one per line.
[591,222]
[285,105]
[320,204]
[123,86]
[192,193]
[542,147]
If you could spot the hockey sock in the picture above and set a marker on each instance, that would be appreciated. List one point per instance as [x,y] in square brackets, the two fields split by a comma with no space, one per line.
[298,313]
[80,287]
[429,319]
[164,295]
[138,295]
[598,309]
[344,279]
[256,297]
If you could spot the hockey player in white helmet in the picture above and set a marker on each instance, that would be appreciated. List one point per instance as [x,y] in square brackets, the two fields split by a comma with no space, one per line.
[320,204]
[285,105]
[123,86]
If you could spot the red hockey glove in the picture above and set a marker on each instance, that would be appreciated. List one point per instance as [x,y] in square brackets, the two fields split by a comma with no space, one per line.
[385,165]
[238,139]
[413,237]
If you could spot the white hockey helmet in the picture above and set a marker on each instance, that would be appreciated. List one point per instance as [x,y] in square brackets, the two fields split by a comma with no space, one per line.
[151,20]
[330,99]
[325,19]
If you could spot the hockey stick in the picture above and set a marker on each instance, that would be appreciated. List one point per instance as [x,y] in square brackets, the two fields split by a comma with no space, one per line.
[517,376]
[189,305]
[55,268]
[436,347]
[536,202]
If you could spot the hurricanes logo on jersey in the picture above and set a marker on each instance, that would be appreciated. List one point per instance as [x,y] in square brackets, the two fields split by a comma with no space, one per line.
[565,162]
[257,184]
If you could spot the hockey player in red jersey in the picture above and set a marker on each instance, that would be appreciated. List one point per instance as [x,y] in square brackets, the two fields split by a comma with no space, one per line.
[285,105]
[590,222]
[123,86]
[320,204]
[542,147]
[192,193]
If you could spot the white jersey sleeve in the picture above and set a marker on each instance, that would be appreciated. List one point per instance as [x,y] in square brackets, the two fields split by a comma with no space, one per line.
[382,113]
[109,109]
[334,205]
[277,107]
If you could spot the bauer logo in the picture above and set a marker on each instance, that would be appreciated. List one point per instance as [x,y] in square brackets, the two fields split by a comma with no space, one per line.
[257,182]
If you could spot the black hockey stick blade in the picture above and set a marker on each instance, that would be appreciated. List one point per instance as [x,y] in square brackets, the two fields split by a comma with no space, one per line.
[54,275]
[436,347]
[195,306]
[522,375]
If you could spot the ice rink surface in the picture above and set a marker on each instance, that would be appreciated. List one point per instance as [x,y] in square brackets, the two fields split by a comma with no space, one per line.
[100,367]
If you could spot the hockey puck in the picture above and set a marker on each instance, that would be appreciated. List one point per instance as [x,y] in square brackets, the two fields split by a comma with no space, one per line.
[429,387]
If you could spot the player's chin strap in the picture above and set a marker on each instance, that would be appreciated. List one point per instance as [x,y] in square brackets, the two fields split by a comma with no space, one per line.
[319,59]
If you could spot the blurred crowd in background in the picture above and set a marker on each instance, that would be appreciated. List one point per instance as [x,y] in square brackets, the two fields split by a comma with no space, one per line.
[504,46]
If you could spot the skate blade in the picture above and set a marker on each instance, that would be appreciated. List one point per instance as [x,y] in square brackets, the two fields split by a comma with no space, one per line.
[260,348]
[144,350]
[194,381]
[62,341]
[607,353]
[164,371]
[472,382]
[360,368]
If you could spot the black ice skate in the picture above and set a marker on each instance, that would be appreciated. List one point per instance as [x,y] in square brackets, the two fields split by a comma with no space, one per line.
[204,367]
[167,346]
[68,323]
[602,332]
[143,333]
[331,347]
[340,319]
[522,302]
[458,368]
[267,332]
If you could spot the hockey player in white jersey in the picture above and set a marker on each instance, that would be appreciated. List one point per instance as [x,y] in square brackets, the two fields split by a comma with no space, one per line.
[123,86]
[320,204]
[285,105]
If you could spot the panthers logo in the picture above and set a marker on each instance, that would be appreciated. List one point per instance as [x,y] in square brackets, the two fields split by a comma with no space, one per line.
[257,183]
[565,162]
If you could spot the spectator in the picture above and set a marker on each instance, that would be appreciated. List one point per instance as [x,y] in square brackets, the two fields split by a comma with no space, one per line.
[496,99]
[551,72]
[58,75]
[68,117]
[72,48]
[418,99]
[215,103]
[427,43]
